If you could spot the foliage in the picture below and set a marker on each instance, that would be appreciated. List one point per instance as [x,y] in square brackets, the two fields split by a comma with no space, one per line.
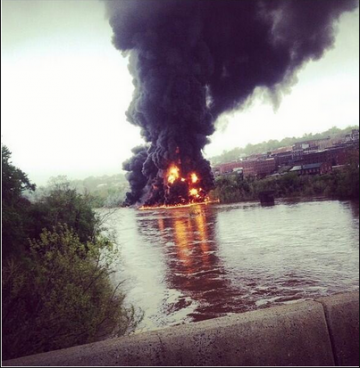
[56,288]
[15,208]
[106,191]
[102,191]
[60,204]
[345,184]
[60,295]
[63,205]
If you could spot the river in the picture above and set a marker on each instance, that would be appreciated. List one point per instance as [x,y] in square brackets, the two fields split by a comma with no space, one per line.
[191,264]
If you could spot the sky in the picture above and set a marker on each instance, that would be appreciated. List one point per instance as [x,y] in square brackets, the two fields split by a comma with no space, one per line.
[65,90]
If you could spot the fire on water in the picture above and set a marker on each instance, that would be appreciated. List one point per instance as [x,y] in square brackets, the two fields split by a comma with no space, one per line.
[187,188]
[169,207]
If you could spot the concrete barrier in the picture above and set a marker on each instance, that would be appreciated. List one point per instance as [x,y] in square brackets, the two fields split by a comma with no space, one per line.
[342,315]
[312,333]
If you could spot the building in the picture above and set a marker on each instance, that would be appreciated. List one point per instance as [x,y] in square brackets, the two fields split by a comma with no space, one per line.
[335,156]
[313,158]
[283,158]
[327,143]
[313,169]
[256,167]
[255,157]
[227,168]
[281,150]
[311,143]
[259,168]
[326,152]
[309,146]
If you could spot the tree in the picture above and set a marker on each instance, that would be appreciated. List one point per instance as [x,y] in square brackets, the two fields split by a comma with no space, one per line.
[60,295]
[15,208]
[56,289]
[63,205]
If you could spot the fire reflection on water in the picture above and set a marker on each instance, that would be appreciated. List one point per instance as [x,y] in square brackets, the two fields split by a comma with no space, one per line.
[206,261]
[202,231]
[192,266]
[183,237]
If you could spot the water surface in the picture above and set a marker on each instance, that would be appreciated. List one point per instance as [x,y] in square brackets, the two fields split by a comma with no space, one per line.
[202,262]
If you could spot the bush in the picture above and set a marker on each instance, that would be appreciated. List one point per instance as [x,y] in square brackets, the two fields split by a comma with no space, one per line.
[65,206]
[15,208]
[60,295]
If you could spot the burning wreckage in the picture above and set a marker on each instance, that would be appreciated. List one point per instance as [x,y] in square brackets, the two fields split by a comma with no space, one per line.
[191,61]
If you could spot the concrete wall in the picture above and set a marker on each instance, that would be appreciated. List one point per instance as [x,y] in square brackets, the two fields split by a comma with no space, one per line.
[323,332]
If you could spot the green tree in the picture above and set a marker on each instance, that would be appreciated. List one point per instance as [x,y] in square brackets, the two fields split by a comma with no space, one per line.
[60,295]
[56,289]
[15,208]
[63,205]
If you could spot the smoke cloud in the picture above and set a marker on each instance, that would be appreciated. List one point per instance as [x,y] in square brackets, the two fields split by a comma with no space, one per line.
[193,60]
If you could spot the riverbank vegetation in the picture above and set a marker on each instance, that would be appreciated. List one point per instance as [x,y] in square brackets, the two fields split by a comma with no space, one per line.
[57,263]
[337,184]
[107,191]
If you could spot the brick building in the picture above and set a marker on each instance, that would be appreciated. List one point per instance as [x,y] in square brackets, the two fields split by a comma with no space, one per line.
[259,168]
[256,168]
[334,156]
[227,168]
[313,152]
[283,158]
[305,147]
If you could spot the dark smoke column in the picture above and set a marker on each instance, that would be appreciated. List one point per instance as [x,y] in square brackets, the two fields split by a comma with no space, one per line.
[193,60]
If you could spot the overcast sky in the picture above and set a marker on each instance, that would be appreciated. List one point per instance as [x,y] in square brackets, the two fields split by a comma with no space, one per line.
[65,90]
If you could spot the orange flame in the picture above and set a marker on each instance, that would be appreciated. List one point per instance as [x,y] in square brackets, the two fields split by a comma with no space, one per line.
[176,206]
[196,195]
[194,178]
[173,174]
[194,192]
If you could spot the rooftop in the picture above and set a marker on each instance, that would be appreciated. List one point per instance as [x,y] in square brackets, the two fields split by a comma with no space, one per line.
[312,166]
[296,168]
[306,167]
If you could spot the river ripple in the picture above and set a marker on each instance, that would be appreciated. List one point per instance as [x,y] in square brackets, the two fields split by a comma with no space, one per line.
[202,262]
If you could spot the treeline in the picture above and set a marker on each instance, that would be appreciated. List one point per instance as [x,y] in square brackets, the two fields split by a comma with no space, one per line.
[105,191]
[264,147]
[56,290]
[338,184]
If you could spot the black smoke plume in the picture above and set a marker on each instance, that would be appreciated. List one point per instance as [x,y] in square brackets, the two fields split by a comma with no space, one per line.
[192,60]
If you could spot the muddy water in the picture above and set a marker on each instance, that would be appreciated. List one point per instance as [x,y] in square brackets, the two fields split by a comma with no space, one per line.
[202,262]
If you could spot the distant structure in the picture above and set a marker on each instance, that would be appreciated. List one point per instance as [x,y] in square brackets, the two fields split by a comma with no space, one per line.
[267,198]
[313,169]
[302,148]
[308,157]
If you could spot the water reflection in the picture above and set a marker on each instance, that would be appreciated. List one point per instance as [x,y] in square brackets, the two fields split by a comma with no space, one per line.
[207,261]
[190,250]
[354,205]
